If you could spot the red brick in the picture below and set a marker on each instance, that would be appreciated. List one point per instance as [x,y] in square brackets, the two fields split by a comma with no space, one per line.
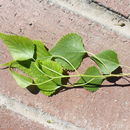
[108,108]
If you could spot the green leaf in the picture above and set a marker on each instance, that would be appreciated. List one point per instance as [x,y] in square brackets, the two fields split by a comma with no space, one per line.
[41,52]
[50,69]
[47,93]
[71,48]
[89,83]
[28,67]
[21,48]
[8,63]
[21,80]
[107,61]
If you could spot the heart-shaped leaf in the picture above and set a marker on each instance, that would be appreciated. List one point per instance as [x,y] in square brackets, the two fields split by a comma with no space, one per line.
[71,48]
[107,61]
[90,83]
[21,48]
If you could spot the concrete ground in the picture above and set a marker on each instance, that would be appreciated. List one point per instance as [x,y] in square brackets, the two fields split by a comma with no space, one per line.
[98,22]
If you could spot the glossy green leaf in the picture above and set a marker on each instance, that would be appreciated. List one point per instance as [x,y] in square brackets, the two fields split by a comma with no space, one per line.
[90,83]
[21,48]
[41,52]
[107,61]
[50,70]
[21,80]
[70,47]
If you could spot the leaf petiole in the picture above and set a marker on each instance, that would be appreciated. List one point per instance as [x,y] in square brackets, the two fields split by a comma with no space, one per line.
[90,76]
[66,61]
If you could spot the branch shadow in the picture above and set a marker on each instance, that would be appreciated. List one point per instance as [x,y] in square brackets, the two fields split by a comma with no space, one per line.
[63,81]
[35,51]
[101,86]
[114,79]
[33,89]
[110,79]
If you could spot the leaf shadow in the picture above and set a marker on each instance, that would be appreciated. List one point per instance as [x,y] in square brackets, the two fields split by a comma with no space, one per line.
[85,56]
[63,81]
[114,79]
[25,63]
[101,86]
[33,89]
[35,51]
[110,79]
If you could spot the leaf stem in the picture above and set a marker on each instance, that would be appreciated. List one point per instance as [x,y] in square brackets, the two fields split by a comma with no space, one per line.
[52,70]
[67,62]
[77,85]
[98,60]
[90,76]
[78,74]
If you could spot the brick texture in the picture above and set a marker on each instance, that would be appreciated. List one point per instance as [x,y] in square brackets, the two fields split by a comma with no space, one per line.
[108,108]
[121,6]
[12,121]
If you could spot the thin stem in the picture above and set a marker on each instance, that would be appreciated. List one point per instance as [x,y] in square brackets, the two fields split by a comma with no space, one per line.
[98,60]
[78,74]
[42,71]
[67,62]
[44,82]
[52,70]
[33,59]
[39,68]
[90,76]
[76,85]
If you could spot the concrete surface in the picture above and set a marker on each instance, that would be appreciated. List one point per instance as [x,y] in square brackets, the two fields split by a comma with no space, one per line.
[99,13]
[34,114]
[106,109]
[121,6]
[12,121]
